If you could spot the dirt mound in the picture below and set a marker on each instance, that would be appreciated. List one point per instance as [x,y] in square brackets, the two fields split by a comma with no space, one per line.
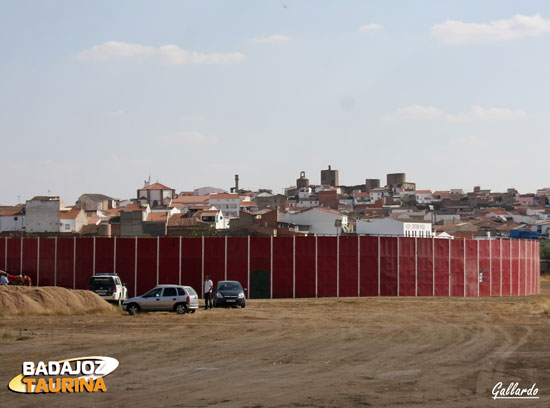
[48,300]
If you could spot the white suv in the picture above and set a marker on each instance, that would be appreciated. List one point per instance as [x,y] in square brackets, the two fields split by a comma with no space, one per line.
[109,287]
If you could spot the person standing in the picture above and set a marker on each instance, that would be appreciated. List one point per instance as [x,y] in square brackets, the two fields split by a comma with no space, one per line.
[208,284]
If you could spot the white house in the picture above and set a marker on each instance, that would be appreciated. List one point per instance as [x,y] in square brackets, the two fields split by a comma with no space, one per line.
[155,194]
[72,220]
[12,220]
[229,204]
[390,226]
[42,214]
[213,216]
[376,194]
[423,196]
[317,220]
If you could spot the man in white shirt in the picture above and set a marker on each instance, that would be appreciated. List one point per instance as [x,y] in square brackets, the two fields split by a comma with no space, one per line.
[3,278]
[208,284]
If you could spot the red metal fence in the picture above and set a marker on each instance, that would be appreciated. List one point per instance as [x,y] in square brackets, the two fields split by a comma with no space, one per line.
[297,266]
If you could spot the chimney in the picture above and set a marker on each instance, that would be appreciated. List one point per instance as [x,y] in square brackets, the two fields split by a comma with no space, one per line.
[237,183]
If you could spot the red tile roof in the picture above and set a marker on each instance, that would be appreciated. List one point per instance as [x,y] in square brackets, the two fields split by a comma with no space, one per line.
[70,215]
[156,186]
[133,207]
[10,213]
[157,216]
[224,196]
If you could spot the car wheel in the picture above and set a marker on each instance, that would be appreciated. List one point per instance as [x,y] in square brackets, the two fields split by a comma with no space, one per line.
[192,310]
[181,308]
[242,306]
[133,309]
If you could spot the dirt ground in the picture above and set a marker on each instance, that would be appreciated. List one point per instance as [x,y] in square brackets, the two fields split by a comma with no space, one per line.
[380,352]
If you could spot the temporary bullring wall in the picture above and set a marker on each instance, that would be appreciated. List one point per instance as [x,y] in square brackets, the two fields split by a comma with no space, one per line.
[297,266]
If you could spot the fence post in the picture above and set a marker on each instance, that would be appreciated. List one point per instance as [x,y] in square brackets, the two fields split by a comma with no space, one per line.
[490,267]
[74,262]
[501,267]
[21,257]
[179,264]
[55,264]
[225,259]
[450,270]
[271,268]
[358,265]
[248,270]
[294,266]
[93,260]
[316,268]
[415,266]
[397,266]
[338,266]
[477,267]
[378,265]
[202,265]
[135,264]
[38,263]
[114,255]
[464,242]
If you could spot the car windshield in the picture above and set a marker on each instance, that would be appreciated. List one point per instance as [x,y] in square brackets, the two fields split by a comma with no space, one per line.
[104,282]
[229,286]
[191,291]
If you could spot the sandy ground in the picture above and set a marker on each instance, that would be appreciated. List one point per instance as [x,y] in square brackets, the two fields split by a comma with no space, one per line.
[380,352]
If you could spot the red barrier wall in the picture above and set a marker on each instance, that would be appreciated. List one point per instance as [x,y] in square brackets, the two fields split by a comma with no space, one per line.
[125,262]
[299,267]
[347,268]
[426,270]
[305,266]
[30,256]
[407,267]
[327,266]
[283,267]
[369,266]
[388,266]
[237,260]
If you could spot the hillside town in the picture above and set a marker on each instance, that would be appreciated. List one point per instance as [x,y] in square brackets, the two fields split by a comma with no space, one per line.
[397,208]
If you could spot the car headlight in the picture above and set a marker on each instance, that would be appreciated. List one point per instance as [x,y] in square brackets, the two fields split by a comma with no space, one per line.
[241,295]
[219,295]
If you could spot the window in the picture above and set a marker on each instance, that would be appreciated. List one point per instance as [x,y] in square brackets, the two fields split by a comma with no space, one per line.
[67,227]
[181,292]
[170,292]
[153,293]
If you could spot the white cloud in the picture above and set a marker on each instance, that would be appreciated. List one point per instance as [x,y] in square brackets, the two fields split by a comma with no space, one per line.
[115,114]
[165,55]
[471,141]
[519,26]
[414,112]
[477,113]
[189,138]
[371,27]
[272,39]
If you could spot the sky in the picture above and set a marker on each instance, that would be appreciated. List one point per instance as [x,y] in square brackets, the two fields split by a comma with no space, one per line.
[95,97]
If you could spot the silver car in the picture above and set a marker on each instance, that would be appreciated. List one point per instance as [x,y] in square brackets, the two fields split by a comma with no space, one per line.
[181,299]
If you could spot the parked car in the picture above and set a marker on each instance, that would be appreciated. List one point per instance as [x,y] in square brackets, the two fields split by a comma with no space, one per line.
[108,286]
[229,293]
[180,299]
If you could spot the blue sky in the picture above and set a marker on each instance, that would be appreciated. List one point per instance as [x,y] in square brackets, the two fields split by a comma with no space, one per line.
[97,96]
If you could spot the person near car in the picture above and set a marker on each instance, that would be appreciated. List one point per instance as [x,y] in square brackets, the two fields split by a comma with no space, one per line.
[208,284]
[3,278]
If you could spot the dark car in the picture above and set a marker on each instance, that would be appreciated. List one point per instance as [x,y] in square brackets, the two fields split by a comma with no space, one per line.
[229,293]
